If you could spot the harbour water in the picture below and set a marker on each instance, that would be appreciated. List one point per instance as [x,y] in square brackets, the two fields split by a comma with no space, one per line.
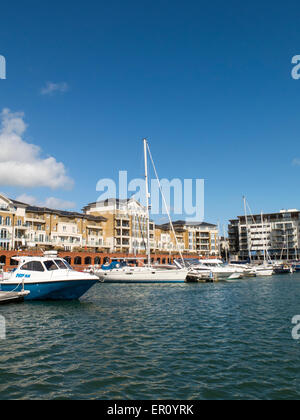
[190,341]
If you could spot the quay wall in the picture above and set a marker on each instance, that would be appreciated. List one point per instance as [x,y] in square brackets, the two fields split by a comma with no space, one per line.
[81,260]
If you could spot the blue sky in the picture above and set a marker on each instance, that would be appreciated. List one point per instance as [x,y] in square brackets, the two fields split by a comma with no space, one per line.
[209,84]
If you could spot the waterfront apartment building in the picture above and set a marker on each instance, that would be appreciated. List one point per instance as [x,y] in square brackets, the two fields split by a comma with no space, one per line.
[192,237]
[275,235]
[126,224]
[26,226]
[110,226]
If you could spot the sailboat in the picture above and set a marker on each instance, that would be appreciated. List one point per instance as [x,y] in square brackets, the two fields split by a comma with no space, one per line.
[148,273]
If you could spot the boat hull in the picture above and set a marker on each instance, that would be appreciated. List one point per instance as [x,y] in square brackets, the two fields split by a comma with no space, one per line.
[264,273]
[144,277]
[52,290]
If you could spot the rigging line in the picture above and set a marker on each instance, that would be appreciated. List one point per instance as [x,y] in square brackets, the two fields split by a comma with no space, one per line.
[165,204]
[262,222]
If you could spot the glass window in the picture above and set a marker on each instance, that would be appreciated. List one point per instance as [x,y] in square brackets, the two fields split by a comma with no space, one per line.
[68,265]
[50,265]
[33,266]
[60,264]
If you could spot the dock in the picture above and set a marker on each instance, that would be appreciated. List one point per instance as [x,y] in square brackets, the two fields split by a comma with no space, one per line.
[12,297]
[201,278]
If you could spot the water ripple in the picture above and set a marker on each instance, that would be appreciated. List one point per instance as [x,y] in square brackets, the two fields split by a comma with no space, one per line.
[215,341]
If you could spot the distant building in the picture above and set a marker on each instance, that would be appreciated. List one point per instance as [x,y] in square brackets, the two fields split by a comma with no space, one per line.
[276,234]
[125,229]
[192,237]
[112,226]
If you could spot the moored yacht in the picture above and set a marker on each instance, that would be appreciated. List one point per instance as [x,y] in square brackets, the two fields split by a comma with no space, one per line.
[264,270]
[117,273]
[218,268]
[147,274]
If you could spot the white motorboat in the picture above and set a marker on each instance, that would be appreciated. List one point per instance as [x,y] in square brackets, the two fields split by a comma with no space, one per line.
[263,270]
[47,278]
[218,268]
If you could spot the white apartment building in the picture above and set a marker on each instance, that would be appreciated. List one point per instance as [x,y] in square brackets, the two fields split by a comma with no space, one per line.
[275,235]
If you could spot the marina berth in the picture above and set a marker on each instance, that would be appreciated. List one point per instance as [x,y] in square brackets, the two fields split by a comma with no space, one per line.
[12,297]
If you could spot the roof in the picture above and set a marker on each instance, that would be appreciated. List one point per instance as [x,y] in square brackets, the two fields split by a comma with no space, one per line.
[18,203]
[64,213]
[111,201]
[182,223]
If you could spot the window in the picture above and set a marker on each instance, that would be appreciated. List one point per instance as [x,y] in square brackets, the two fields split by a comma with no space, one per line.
[3,234]
[77,261]
[61,265]
[97,261]
[50,265]
[67,264]
[33,266]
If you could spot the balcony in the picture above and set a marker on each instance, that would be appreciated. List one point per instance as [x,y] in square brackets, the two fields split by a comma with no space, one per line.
[21,227]
[121,217]
[94,227]
[95,244]
[35,220]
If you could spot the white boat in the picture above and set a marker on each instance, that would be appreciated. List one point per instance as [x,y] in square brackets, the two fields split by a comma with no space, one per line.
[218,268]
[147,273]
[235,276]
[142,275]
[263,270]
[47,278]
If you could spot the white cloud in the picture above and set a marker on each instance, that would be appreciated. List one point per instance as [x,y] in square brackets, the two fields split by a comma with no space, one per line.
[50,202]
[27,199]
[21,163]
[52,88]
[296,162]
[57,203]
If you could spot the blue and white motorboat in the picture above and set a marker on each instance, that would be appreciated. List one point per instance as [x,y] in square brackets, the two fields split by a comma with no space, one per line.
[47,278]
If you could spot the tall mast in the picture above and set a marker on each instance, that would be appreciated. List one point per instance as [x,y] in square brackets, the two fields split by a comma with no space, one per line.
[165,204]
[287,245]
[225,244]
[147,202]
[219,235]
[264,244]
[248,242]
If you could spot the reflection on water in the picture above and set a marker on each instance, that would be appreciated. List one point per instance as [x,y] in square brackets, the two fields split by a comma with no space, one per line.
[193,341]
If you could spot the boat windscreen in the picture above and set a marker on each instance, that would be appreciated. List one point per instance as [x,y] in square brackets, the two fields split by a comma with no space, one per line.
[67,265]
[61,265]
[50,265]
